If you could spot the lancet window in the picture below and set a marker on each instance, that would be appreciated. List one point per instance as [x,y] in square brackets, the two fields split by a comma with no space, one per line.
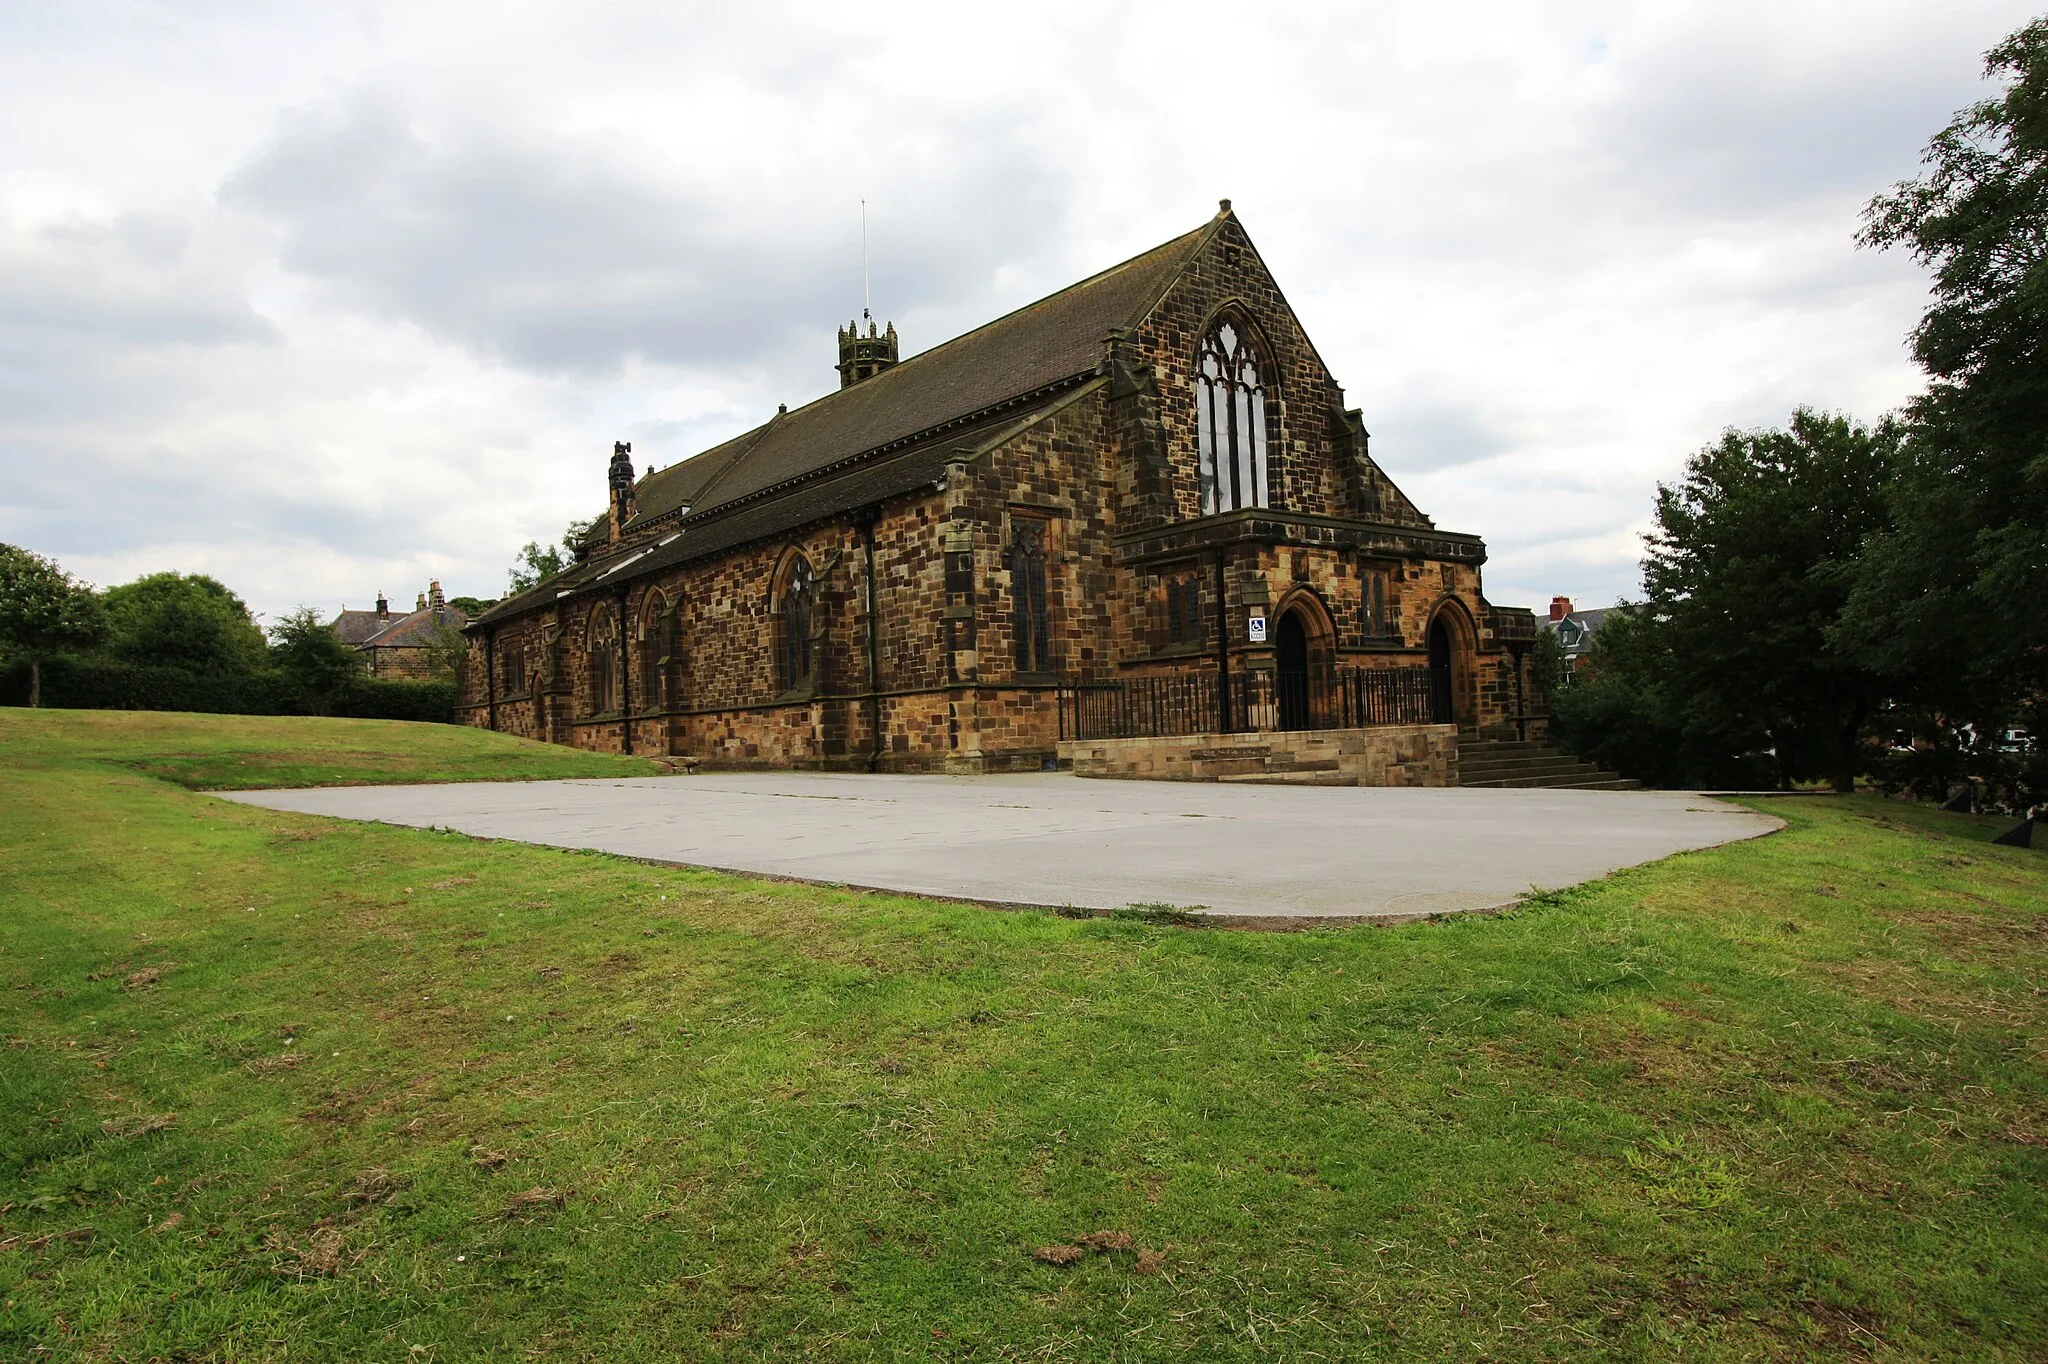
[659,653]
[601,658]
[793,644]
[1184,610]
[1030,632]
[1230,422]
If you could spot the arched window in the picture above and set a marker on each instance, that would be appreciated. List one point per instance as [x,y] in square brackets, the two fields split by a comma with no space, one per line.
[658,651]
[601,658]
[794,611]
[1230,422]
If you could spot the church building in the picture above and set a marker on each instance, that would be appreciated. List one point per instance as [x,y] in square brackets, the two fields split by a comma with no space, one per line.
[1137,511]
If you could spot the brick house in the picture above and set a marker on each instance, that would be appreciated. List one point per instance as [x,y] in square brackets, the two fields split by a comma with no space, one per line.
[398,645]
[1575,629]
[1144,486]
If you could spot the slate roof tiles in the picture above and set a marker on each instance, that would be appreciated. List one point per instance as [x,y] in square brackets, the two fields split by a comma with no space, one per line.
[783,473]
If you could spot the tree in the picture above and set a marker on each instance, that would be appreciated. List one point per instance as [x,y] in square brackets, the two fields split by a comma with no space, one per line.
[188,621]
[1549,669]
[536,565]
[1754,556]
[44,612]
[1952,600]
[1628,708]
[313,657]
[445,646]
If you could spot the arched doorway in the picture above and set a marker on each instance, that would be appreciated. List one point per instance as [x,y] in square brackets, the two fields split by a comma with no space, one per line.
[1439,671]
[1453,642]
[1291,672]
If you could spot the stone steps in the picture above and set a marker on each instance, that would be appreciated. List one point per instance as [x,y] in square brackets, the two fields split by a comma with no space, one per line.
[1523,764]
[1600,782]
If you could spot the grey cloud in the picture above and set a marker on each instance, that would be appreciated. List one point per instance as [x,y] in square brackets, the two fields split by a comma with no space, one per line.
[161,498]
[120,284]
[1433,436]
[554,256]
[1730,121]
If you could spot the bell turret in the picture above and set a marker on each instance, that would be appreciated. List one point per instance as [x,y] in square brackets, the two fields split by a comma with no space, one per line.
[863,357]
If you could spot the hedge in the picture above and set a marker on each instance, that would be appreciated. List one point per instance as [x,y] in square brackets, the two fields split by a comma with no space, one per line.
[104,684]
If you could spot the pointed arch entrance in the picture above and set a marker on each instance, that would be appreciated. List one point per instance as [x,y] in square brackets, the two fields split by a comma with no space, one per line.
[1452,641]
[1302,654]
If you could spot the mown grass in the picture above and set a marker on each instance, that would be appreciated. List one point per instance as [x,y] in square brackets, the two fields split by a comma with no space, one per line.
[283,1088]
[251,753]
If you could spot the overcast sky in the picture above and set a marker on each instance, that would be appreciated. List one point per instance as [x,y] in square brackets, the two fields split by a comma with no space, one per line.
[328,299]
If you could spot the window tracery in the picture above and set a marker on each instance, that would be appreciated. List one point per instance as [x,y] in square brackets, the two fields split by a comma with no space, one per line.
[793,647]
[1230,422]
[601,658]
[659,653]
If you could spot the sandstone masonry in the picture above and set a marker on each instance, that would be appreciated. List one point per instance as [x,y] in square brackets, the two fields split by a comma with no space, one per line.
[905,574]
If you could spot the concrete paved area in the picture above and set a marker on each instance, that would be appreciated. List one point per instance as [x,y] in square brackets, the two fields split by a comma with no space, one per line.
[1267,852]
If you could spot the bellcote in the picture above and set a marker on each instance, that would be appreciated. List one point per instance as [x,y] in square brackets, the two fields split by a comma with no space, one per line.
[863,357]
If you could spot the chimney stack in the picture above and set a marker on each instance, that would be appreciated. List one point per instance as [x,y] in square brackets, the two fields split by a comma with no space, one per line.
[383,607]
[434,597]
[1560,607]
[621,478]
[863,357]
[421,604]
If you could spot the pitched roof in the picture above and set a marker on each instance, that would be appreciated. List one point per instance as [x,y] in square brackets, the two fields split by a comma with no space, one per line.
[354,627]
[1038,345]
[1578,639]
[414,630]
[891,433]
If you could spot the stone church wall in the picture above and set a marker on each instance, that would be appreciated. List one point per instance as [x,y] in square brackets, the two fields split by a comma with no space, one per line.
[1303,400]
[1117,461]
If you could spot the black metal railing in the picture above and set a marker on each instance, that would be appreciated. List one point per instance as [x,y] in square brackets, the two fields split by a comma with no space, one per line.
[1193,703]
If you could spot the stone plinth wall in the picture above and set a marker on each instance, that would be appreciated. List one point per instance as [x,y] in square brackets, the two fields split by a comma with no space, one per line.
[1387,755]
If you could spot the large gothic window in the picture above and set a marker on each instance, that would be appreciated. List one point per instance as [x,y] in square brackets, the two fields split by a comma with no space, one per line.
[1230,422]
[1029,630]
[793,644]
[601,657]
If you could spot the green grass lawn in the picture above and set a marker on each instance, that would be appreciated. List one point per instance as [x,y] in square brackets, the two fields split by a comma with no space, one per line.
[251,753]
[275,1087]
